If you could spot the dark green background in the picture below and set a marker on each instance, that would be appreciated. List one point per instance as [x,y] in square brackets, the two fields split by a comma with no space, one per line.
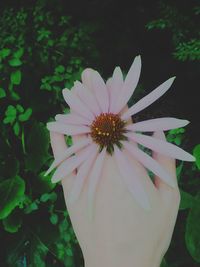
[44,46]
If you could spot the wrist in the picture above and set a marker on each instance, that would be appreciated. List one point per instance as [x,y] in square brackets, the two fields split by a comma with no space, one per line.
[119,261]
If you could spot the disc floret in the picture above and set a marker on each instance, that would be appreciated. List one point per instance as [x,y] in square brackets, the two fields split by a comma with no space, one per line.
[108,129]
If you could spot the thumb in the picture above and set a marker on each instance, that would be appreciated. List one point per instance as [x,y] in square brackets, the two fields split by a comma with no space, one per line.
[169,164]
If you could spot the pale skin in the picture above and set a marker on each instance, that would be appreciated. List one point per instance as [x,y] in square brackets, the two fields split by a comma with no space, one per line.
[122,233]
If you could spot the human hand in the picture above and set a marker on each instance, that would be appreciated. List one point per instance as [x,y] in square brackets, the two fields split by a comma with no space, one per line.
[123,233]
[127,229]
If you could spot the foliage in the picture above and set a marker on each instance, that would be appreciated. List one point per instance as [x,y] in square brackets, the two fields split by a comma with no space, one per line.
[40,54]
[42,51]
[183,21]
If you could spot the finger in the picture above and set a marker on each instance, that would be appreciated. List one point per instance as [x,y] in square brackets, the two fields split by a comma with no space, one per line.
[169,164]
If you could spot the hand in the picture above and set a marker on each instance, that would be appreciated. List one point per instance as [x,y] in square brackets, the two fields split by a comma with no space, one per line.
[122,233]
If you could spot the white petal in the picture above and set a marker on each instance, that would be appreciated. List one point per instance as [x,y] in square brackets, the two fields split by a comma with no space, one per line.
[150,163]
[76,104]
[88,98]
[68,152]
[161,147]
[148,99]
[86,78]
[115,87]
[131,178]
[94,177]
[67,129]
[80,178]
[129,86]
[100,91]
[163,124]
[72,119]
[70,164]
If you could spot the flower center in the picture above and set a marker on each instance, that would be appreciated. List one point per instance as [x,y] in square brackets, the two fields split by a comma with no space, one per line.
[108,129]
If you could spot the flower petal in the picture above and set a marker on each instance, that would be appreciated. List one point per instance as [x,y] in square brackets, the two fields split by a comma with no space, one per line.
[94,177]
[150,163]
[157,124]
[161,147]
[76,104]
[100,91]
[131,178]
[115,87]
[148,99]
[69,151]
[67,166]
[72,119]
[86,78]
[129,86]
[87,97]
[80,178]
[59,127]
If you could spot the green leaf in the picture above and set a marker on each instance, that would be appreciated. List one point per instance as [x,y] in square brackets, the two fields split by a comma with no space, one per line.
[11,191]
[54,218]
[12,223]
[19,53]
[20,108]
[15,77]
[179,170]
[69,252]
[14,95]
[5,52]
[192,233]
[2,93]
[37,145]
[38,252]
[15,62]
[196,154]
[187,200]
[26,115]
[48,196]
[32,207]
[16,128]
[11,111]
[59,69]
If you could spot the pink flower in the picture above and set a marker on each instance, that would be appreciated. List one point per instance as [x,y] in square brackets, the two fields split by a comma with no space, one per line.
[98,114]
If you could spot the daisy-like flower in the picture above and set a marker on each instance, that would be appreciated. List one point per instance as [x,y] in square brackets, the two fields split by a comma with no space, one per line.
[98,114]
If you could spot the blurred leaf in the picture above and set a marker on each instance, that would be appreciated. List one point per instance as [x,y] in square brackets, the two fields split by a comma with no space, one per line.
[2,93]
[48,196]
[32,207]
[4,52]
[13,222]
[19,53]
[187,200]
[54,218]
[16,128]
[192,233]
[37,147]
[196,154]
[26,115]
[179,170]
[59,69]
[38,252]
[14,95]
[16,77]
[11,191]
[20,108]
[15,62]
[69,252]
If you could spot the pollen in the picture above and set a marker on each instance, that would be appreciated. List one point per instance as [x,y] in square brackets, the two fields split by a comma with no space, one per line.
[108,129]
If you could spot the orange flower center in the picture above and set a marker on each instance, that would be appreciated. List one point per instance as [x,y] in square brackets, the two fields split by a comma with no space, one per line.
[108,129]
